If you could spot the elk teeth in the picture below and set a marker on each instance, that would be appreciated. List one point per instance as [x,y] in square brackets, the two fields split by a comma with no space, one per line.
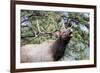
[71,35]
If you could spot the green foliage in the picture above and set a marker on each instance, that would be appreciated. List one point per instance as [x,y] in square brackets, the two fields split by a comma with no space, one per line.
[78,44]
[79,16]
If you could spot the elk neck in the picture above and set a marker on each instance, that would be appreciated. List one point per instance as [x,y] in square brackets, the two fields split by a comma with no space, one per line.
[58,48]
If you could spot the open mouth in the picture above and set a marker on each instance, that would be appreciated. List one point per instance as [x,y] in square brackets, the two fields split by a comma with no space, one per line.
[70,34]
[71,31]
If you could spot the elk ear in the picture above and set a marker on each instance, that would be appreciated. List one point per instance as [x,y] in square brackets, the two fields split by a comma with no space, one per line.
[57,33]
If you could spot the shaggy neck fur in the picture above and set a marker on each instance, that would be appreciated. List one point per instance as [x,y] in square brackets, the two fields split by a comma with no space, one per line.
[58,48]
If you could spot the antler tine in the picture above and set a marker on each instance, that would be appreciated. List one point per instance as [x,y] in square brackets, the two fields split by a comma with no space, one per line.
[38,26]
[63,25]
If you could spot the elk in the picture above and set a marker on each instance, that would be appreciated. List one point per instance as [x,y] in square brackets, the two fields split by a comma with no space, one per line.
[52,50]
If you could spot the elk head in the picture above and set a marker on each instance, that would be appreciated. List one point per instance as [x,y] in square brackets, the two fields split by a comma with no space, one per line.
[65,34]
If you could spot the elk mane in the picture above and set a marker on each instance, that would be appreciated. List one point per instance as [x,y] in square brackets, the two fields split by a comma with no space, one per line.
[58,48]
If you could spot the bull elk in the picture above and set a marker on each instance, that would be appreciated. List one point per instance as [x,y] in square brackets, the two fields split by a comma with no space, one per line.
[48,50]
